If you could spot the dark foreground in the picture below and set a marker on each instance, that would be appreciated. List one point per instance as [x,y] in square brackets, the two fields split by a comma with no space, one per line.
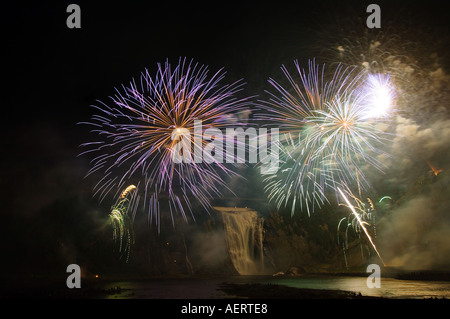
[161,288]
[229,287]
[274,291]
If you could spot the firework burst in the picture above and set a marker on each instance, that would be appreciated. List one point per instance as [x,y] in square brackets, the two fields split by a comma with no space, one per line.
[327,131]
[362,218]
[144,125]
[119,217]
[414,66]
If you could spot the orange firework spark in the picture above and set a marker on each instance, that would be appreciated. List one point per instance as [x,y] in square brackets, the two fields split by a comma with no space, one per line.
[435,170]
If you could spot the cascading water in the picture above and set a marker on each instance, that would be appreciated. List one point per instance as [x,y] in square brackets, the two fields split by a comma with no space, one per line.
[244,233]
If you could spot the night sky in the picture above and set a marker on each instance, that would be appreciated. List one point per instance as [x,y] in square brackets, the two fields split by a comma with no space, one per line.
[52,74]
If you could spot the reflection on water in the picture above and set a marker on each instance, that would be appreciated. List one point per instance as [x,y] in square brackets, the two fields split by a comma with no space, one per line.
[390,287]
[201,288]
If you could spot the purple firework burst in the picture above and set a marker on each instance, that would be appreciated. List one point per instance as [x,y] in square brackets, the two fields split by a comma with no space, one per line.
[139,132]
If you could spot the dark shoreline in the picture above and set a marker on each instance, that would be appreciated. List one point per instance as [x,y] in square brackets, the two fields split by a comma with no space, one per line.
[36,287]
[275,291]
[229,291]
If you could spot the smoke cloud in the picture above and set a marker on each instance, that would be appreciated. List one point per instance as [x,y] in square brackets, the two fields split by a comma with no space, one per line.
[428,141]
[209,249]
[415,234]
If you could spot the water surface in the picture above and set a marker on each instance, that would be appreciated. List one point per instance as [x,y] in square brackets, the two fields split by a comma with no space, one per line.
[209,288]
[389,288]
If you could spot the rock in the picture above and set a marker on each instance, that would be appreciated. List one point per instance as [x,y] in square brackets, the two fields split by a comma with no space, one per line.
[293,271]
[280,273]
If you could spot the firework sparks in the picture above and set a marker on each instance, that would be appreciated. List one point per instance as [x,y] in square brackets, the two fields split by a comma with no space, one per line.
[379,96]
[361,224]
[123,235]
[435,170]
[366,214]
[142,128]
[127,191]
[335,133]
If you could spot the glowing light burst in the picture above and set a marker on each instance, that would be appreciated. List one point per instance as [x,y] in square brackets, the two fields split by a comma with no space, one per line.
[360,222]
[140,129]
[379,95]
[327,134]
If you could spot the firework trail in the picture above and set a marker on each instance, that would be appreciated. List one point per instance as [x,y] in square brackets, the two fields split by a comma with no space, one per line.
[145,125]
[327,131]
[119,217]
[366,214]
[361,223]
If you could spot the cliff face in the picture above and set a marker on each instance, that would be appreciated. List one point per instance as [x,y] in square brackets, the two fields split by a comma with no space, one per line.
[70,231]
[232,242]
[205,246]
[308,244]
[182,248]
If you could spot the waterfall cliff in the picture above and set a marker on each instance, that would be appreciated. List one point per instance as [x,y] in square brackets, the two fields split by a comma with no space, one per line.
[244,234]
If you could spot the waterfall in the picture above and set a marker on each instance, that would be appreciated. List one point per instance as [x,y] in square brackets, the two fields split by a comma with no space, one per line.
[244,234]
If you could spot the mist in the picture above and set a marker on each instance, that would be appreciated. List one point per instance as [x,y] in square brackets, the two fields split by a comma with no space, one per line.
[415,233]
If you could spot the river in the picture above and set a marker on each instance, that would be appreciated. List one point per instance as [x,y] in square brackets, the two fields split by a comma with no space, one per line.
[389,287]
[209,288]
